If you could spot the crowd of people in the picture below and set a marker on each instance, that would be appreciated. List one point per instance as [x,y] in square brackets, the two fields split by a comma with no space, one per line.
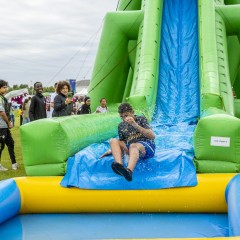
[136,139]
[62,103]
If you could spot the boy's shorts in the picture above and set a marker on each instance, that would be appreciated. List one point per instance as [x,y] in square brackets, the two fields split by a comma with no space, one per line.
[149,148]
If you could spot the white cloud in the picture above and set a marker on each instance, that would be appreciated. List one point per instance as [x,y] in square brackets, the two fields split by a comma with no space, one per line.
[38,37]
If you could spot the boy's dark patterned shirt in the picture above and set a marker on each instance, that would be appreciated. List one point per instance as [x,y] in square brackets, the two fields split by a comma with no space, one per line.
[129,134]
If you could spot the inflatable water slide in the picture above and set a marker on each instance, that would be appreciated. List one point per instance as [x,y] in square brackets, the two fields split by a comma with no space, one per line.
[178,63]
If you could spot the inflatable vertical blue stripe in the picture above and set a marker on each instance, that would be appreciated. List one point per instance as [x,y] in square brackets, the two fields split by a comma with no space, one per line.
[178,88]
[10,199]
[233,201]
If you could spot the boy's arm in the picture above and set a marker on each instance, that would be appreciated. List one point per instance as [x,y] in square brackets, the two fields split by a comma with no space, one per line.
[147,132]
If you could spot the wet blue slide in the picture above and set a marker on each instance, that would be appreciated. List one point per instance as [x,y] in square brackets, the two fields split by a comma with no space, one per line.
[177,110]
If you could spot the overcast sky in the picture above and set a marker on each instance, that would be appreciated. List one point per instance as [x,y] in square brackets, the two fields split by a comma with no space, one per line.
[50,40]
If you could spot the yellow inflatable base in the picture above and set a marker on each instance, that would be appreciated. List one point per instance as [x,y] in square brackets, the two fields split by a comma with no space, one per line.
[45,195]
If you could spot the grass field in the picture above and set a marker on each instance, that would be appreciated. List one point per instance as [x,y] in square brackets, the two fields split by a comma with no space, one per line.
[5,160]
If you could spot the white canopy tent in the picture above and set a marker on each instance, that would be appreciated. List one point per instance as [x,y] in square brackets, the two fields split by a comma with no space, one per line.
[17,93]
[83,92]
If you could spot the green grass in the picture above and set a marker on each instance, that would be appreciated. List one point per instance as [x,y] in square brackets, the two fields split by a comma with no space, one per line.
[6,162]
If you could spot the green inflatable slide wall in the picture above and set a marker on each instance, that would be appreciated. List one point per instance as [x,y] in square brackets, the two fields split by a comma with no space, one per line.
[217,135]
[126,69]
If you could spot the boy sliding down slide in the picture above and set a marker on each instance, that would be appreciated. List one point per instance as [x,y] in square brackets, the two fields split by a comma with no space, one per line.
[136,139]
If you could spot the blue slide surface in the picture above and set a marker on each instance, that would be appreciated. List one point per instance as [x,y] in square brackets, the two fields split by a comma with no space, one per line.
[177,110]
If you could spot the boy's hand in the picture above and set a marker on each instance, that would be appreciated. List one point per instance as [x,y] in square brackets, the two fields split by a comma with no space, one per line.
[106,154]
[130,120]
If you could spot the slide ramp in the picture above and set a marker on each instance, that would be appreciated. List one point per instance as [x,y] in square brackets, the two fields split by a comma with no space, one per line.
[174,119]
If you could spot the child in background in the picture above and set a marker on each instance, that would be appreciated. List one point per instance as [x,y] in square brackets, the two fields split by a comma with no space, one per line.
[103,108]
[20,114]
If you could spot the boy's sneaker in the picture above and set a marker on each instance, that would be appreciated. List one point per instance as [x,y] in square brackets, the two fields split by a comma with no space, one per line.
[2,168]
[14,166]
[121,170]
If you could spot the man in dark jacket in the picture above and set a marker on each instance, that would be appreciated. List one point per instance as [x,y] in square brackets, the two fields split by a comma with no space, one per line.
[37,108]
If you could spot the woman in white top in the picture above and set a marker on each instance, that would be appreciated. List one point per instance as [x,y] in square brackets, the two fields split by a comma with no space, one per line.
[103,108]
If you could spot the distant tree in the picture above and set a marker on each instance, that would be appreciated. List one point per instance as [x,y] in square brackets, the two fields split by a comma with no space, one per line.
[48,89]
[30,89]
[15,87]
[23,86]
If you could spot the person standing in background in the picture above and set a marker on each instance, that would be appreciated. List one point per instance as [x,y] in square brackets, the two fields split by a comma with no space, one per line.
[38,104]
[103,106]
[86,109]
[26,106]
[53,95]
[20,112]
[5,126]
[47,98]
[12,113]
[79,103]
[63,100]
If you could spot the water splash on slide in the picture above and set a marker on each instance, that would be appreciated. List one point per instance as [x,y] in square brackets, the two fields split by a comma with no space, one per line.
[174,121]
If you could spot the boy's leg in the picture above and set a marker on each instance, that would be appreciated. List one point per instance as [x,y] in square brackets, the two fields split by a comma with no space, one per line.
[134,150]
[116,149]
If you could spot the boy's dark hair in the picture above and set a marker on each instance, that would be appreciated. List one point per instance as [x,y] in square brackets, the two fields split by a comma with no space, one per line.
[125,107]
[3,83]
[61,84]
[34,85]
[55,84]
